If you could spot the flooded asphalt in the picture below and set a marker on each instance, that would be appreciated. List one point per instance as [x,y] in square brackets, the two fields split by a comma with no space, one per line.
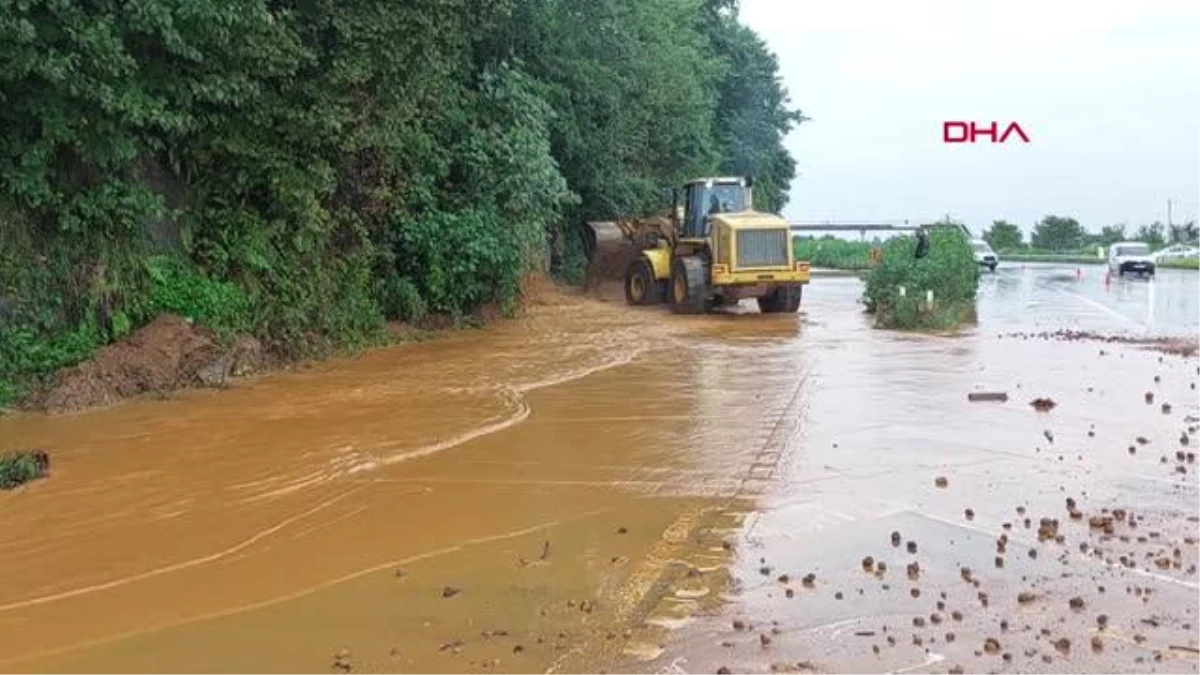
[603,488]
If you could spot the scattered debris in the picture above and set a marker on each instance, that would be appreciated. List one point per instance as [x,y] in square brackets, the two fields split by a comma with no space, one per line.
[1042,404]
[987,396]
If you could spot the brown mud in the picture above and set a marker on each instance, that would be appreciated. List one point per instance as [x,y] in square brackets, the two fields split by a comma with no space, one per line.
[594,487]
[167,354]
[292,516]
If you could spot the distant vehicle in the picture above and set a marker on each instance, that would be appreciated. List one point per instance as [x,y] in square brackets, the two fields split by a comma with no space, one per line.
[1177,252]
[984,255]
[1130,257]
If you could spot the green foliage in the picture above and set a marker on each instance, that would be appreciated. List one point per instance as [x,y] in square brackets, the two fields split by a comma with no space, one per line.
[833,253]
[1004,236]
[1153,234]
[950,271]
[1111,234]
[178,287]
[20,467]
[303,171]
[1055,233]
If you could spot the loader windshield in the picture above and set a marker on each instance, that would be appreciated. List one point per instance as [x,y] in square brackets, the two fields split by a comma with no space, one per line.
[725,199]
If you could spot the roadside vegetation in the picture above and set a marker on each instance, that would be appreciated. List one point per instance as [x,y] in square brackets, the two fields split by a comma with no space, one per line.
[307,173]
[833,253]
[896,288]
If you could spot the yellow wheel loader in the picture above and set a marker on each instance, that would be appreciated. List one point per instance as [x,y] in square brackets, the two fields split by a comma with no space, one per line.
[711,249]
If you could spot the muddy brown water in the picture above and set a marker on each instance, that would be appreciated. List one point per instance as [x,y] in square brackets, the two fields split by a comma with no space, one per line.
[597,487]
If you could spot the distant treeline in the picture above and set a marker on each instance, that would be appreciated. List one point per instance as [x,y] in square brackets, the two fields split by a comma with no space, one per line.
[305,171]
[1059,234]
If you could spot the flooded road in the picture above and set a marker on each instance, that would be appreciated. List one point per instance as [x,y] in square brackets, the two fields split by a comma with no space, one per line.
[597,487]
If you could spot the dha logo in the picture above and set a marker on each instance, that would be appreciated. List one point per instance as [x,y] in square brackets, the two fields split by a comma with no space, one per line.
[968,132]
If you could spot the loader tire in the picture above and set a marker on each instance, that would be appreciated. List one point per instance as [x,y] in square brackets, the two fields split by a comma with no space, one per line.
[641,288]
[689,286]
[783,300]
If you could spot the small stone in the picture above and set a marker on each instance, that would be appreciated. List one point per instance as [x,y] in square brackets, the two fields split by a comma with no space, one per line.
[622,530]
[837,596]
[951,637]
[999,561]
[895,538]
[809,579]
[868,564]
[764,639]
[1026,597]
[1097,644]
[790,593]
[517,649]
[450,591]
[956,615]
[738,624]
[765,570]
[783,579]
[1063,645]
[1076,603]
[941,481]
[918,621]
[1166,408]
[723,670]
[915,592]
[912,547]
[991,646]
[970,514]
[1149,397]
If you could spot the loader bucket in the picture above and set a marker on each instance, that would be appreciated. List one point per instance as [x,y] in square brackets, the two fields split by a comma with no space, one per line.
[609,252]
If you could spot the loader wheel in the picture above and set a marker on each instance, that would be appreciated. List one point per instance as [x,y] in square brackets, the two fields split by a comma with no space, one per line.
[785,299]
[689,286]
[641,288]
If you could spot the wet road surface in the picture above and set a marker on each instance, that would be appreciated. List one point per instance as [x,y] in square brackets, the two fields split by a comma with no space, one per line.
[575,490]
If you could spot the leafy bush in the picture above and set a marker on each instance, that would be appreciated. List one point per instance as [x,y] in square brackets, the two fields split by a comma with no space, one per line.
[949,270]
[179,288]
[832,253]
[400,299]
[20,467]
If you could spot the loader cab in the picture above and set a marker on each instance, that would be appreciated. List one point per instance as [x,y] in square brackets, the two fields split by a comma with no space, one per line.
[707,197]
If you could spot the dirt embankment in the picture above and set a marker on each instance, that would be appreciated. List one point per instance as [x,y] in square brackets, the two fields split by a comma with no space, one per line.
[172,353]
[167,354]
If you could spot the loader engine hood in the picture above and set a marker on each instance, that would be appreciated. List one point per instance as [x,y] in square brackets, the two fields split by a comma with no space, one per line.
[750,240]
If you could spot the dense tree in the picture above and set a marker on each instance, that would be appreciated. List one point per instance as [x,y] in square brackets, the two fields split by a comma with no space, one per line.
[1056,233]
[1153,234]
[335,164]
[1004,236]
[1186,233]
[1111,234]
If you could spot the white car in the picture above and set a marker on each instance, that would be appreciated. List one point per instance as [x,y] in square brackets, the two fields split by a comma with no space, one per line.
[1130,257]
[984,255]
[1177,252]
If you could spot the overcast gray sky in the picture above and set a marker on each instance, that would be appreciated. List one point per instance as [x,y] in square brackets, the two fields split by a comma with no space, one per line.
[1109,94]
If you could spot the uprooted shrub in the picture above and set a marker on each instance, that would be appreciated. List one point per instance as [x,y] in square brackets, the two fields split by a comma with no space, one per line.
[21,466]
[949,270]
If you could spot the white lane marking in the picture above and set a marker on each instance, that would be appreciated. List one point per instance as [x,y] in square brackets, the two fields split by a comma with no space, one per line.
[1107,310]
